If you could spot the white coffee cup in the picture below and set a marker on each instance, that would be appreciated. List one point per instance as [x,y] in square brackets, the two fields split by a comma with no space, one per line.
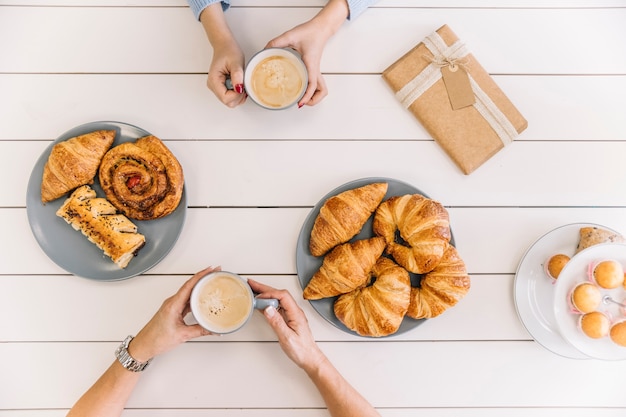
[222,302]
[276,78]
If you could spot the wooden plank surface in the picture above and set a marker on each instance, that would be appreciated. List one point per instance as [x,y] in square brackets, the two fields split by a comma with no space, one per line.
[490,240]
[499,38]
[568,108]
[567,4]
[250,188]
[464,374]
[94,301]
[280,174]
[384,412]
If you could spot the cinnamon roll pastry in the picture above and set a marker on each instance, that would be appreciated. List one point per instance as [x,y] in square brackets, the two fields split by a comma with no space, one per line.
[143,180]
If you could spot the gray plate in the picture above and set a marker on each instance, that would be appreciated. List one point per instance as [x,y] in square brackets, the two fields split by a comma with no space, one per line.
[308,264]
[69,248]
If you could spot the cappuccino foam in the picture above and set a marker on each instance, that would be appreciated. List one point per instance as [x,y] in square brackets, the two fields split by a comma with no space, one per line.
[277,82]
[224,303]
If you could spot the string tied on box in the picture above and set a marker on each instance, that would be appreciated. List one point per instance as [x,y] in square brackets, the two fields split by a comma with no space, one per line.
[449,58]
[447,62]
[453,56]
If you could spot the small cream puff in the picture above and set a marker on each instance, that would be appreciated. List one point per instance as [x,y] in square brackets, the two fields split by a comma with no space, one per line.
[595,325]
[554,265]
[585,297]
[608,274]
[618,333]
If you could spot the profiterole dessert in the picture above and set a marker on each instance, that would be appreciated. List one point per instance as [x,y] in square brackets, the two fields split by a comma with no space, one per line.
[585,298]
[618,333]
[555,264]
[608,274]
[595,325]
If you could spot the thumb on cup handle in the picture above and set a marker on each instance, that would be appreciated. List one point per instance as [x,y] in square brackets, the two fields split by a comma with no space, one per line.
[263,303]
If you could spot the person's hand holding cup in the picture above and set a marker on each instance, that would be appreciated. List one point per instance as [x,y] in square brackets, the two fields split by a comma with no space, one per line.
[223,302]
[275,78]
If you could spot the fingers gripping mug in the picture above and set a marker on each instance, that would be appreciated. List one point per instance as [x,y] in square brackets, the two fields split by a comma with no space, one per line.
[275,78]
[222,302]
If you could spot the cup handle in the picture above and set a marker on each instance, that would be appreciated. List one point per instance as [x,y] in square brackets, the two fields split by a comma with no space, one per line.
[263,303]
[229,84]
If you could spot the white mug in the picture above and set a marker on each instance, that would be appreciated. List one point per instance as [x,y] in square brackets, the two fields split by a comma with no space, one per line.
[275,78]
[222,302]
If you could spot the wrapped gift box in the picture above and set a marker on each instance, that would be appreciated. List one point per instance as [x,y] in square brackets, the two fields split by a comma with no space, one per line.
[455,99]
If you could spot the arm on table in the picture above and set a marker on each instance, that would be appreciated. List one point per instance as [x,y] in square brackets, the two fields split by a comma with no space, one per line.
[228,59]
[310,39]
[296,340]
[166,330]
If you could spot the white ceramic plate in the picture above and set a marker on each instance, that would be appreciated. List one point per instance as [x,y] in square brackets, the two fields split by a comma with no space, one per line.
[575,272]
[307,264]
[69,248]
[534,291]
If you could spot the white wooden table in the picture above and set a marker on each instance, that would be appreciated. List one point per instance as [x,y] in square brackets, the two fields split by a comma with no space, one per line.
[252,177]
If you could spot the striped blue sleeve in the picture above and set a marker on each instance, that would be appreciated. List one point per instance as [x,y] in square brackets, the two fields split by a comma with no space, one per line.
[358,6]
[197,6]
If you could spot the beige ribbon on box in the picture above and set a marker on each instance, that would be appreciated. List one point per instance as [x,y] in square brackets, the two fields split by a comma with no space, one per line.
[444,55]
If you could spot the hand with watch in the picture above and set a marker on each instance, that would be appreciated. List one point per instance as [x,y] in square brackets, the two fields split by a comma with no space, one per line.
[127,361]
[166,330]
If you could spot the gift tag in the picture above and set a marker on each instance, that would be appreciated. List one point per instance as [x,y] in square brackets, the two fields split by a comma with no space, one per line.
[458,86]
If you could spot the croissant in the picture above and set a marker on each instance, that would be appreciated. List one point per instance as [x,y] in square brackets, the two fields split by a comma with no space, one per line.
[423,225]
[344,268]
[377,310]
[342,216]
[143,180]
[441,288]
[73,163]
[99,221]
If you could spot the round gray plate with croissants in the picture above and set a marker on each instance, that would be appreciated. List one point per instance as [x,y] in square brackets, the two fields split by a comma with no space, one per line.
[69,248]
[307,264]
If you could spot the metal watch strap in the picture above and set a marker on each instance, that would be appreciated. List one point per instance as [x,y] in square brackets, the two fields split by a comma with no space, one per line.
[127,361]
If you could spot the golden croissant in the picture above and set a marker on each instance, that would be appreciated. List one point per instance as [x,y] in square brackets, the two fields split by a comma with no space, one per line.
[377,310]
[441,288]
[73,163]
[345,268]
[424,226]
[342,216]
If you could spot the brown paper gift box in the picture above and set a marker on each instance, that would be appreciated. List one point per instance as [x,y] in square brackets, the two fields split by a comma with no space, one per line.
[464,134]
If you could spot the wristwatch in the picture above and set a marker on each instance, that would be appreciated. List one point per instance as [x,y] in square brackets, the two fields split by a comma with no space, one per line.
[127,361]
